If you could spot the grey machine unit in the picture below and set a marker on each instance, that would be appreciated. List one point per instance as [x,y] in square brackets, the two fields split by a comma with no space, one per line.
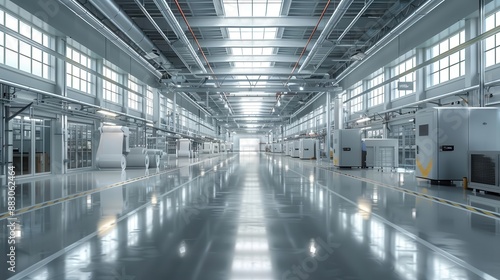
[285,148]
[277,148]
[347,148]
[445,135]
[296,149]
[306,150]
[215,148]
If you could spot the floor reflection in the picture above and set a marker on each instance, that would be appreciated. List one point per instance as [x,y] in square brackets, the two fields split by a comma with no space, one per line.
[251,258]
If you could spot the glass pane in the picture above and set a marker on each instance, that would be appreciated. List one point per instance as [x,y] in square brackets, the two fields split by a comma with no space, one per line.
[490,58]
[25,29]
[46,71]
[455,71]
[444,75]
[25,64]
[42,147]
[26,146]
[2,39]
[36,36]
[1,55]
[11,43]
[24,49]
[36,54]
[11,58]
[11,22]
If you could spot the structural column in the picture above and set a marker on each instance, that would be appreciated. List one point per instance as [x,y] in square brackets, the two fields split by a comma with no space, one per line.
[328,120]
[174,121]
[60,124]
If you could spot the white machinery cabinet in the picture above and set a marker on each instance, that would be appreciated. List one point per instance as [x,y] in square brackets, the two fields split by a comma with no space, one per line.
[277,148]
[296,149]
[347,147]
[207,147]
[307,149]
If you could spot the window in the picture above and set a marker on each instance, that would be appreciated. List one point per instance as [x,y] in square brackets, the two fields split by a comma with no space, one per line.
[79,145]
[149,101]
[376,96]
[450,67]
[78,75]
[375,133]
[492,50]
[401,68]
[23,55]
[134,94]
[356,103]
[111,91]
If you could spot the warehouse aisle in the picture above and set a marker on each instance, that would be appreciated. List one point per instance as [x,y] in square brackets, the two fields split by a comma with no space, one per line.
[269,217]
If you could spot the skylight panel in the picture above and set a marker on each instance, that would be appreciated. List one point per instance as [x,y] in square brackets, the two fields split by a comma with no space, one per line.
[259,10]
[252,8]
[231,8]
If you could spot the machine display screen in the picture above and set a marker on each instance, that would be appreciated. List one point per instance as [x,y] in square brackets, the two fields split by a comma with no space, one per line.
[423,130]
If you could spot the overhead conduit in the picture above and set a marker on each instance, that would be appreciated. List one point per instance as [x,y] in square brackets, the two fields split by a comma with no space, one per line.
[176,27]
[90,19]
[330,25]
[119,18]
[169,16]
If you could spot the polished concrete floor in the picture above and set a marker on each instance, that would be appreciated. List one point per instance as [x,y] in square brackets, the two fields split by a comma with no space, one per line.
[251,216]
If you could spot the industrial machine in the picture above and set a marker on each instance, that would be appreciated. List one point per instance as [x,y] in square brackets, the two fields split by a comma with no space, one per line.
[184,148]
[382,153]
[215,148]
[207,148]
[277,148]
[347,147]
[307,148]
[445,135]
[222,148]
[289,148]
[484,170]
[296,149]
[113,146]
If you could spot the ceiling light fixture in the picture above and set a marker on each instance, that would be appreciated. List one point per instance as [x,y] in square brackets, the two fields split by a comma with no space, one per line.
[358,55]
[301,88]
[107,113]
[363,120]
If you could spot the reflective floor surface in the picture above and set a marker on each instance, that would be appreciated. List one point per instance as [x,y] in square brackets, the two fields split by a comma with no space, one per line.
[258,216]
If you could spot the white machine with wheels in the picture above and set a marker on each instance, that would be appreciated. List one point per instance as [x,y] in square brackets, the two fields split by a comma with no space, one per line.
[307,149]
[215,148]
[347,148]
[296,149]
[445,135]
[290,148]
[222,148]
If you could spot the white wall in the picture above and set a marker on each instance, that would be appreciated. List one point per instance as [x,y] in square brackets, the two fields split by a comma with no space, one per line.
[235,139]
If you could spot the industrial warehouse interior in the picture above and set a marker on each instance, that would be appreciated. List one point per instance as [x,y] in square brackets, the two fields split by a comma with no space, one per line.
[250,139]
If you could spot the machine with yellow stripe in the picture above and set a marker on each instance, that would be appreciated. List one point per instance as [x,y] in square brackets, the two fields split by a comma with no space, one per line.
[444,136]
